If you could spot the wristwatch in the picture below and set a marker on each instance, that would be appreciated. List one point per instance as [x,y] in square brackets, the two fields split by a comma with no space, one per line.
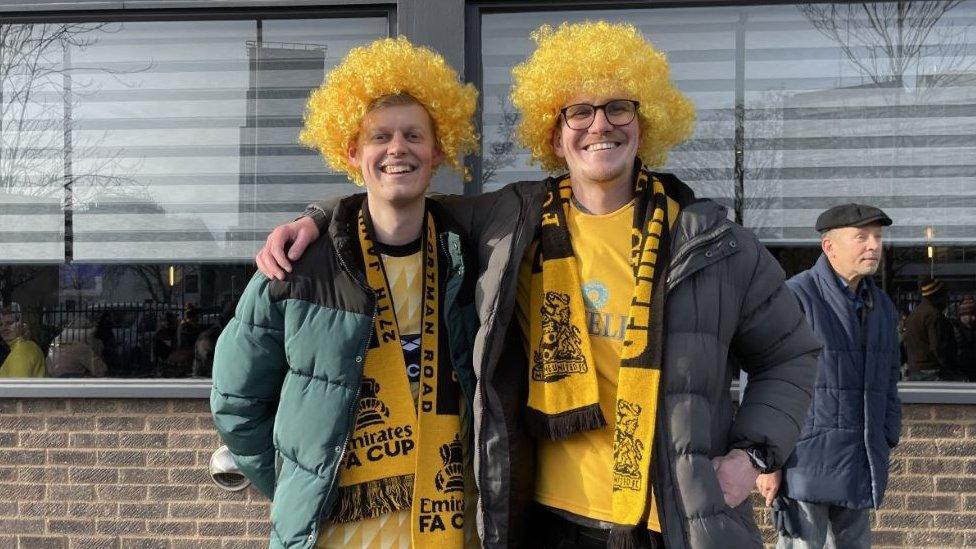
[757,455]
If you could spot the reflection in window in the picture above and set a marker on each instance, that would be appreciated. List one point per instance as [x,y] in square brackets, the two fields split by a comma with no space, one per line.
[141,166]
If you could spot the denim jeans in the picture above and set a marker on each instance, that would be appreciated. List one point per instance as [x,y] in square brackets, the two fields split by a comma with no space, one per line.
[826,526]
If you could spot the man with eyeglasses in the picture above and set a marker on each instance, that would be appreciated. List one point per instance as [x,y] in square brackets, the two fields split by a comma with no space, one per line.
[613,305]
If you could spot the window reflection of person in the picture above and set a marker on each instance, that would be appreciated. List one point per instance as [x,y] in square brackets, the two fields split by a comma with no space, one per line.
[964,329]
[25,358]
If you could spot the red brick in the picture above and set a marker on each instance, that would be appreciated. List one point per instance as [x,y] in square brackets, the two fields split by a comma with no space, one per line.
[143,440]
[22,457]
[103,509]
[142,510]
[143,476]
[121,493]
[145,543]
[932,466]
[121,423]
[42,542]
[172,527]
[172,493]
[94,475]
[18,492]
[94,440]
[49,474]
[71,492]
[172,423]
[931,503]
[243,511]
[123,458]
[935,538]
[69,423]
[119,527]
[198,406]
[21,423]
[94,543]
[71,457]
[42,439]
[21,525]
[71,526]
[175,458]
[221,528]
[193,510]
[43,509]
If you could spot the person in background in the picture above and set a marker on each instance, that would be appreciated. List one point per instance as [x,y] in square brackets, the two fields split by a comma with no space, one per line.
[964,329]
[839,468]
[25,358]
[929,342]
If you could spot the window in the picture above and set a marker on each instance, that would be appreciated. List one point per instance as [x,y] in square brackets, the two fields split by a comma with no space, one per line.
[142,163]
[802,107]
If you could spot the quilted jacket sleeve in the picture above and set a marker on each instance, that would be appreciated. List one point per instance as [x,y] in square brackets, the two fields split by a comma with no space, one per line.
[778,350]
[249,368]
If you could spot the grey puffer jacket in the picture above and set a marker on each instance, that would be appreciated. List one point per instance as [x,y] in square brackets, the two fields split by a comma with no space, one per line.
[726,301]
[726,298]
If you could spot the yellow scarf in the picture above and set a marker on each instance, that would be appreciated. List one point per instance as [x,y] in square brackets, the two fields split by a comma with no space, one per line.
[563,394]
[401,455]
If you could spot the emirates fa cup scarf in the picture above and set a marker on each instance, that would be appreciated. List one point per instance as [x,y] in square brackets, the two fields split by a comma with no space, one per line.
[563,394]
[401,455]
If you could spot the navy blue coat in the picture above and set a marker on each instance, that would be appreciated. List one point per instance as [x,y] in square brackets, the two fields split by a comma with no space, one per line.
[855,419]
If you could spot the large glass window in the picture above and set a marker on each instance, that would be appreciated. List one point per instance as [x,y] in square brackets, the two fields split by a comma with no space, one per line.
[141,166]
[802,107]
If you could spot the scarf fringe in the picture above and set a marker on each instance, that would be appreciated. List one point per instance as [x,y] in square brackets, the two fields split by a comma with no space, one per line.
[560,426]
[627,537]
[374,498]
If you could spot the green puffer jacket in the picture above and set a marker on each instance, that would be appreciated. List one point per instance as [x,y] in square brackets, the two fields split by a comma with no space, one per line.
[288,367]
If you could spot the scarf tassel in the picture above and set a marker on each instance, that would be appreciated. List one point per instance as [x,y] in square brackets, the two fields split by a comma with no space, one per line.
[560,426]
[374,498]
[628,537]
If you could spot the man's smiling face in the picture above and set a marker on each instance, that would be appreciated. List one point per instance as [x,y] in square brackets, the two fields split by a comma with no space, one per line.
[601,154]
[396,152]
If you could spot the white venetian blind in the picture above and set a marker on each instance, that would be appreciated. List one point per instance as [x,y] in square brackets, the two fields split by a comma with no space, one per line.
[169,141]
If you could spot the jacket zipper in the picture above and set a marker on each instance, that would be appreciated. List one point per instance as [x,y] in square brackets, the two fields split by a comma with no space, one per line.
[688,249]
[355,400]
[520,223]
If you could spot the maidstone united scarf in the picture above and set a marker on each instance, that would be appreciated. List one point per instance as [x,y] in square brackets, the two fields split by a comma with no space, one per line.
[563,394]
[401,455]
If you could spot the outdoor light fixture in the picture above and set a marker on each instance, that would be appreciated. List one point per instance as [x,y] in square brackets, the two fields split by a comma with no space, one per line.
[172,275]
[224,472]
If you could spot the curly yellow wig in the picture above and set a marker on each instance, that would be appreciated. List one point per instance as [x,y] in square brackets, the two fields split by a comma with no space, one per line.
[389,66]
[602,59]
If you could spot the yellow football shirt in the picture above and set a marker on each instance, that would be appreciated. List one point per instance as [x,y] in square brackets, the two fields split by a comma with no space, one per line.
[575,474]
[403,266]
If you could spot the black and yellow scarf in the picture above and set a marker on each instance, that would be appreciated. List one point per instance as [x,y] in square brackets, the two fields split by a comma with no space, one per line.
[401,455]
[563,394]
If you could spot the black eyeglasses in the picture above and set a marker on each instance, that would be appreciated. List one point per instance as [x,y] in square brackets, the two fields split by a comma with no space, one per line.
[619,112]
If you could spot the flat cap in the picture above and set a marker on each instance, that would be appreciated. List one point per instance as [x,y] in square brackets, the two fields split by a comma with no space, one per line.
[851,215]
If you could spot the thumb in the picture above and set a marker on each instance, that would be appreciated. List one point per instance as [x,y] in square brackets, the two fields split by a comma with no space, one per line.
[302,240]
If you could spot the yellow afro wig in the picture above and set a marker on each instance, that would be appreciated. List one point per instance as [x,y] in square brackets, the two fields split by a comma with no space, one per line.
[389,66]
[602,59]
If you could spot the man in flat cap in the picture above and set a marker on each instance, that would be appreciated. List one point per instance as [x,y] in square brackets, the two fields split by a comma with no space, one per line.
[929,342]
[839,468]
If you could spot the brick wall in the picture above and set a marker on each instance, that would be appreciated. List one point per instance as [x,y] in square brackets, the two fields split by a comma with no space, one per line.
[117,474]
[93,473]
[931,497]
